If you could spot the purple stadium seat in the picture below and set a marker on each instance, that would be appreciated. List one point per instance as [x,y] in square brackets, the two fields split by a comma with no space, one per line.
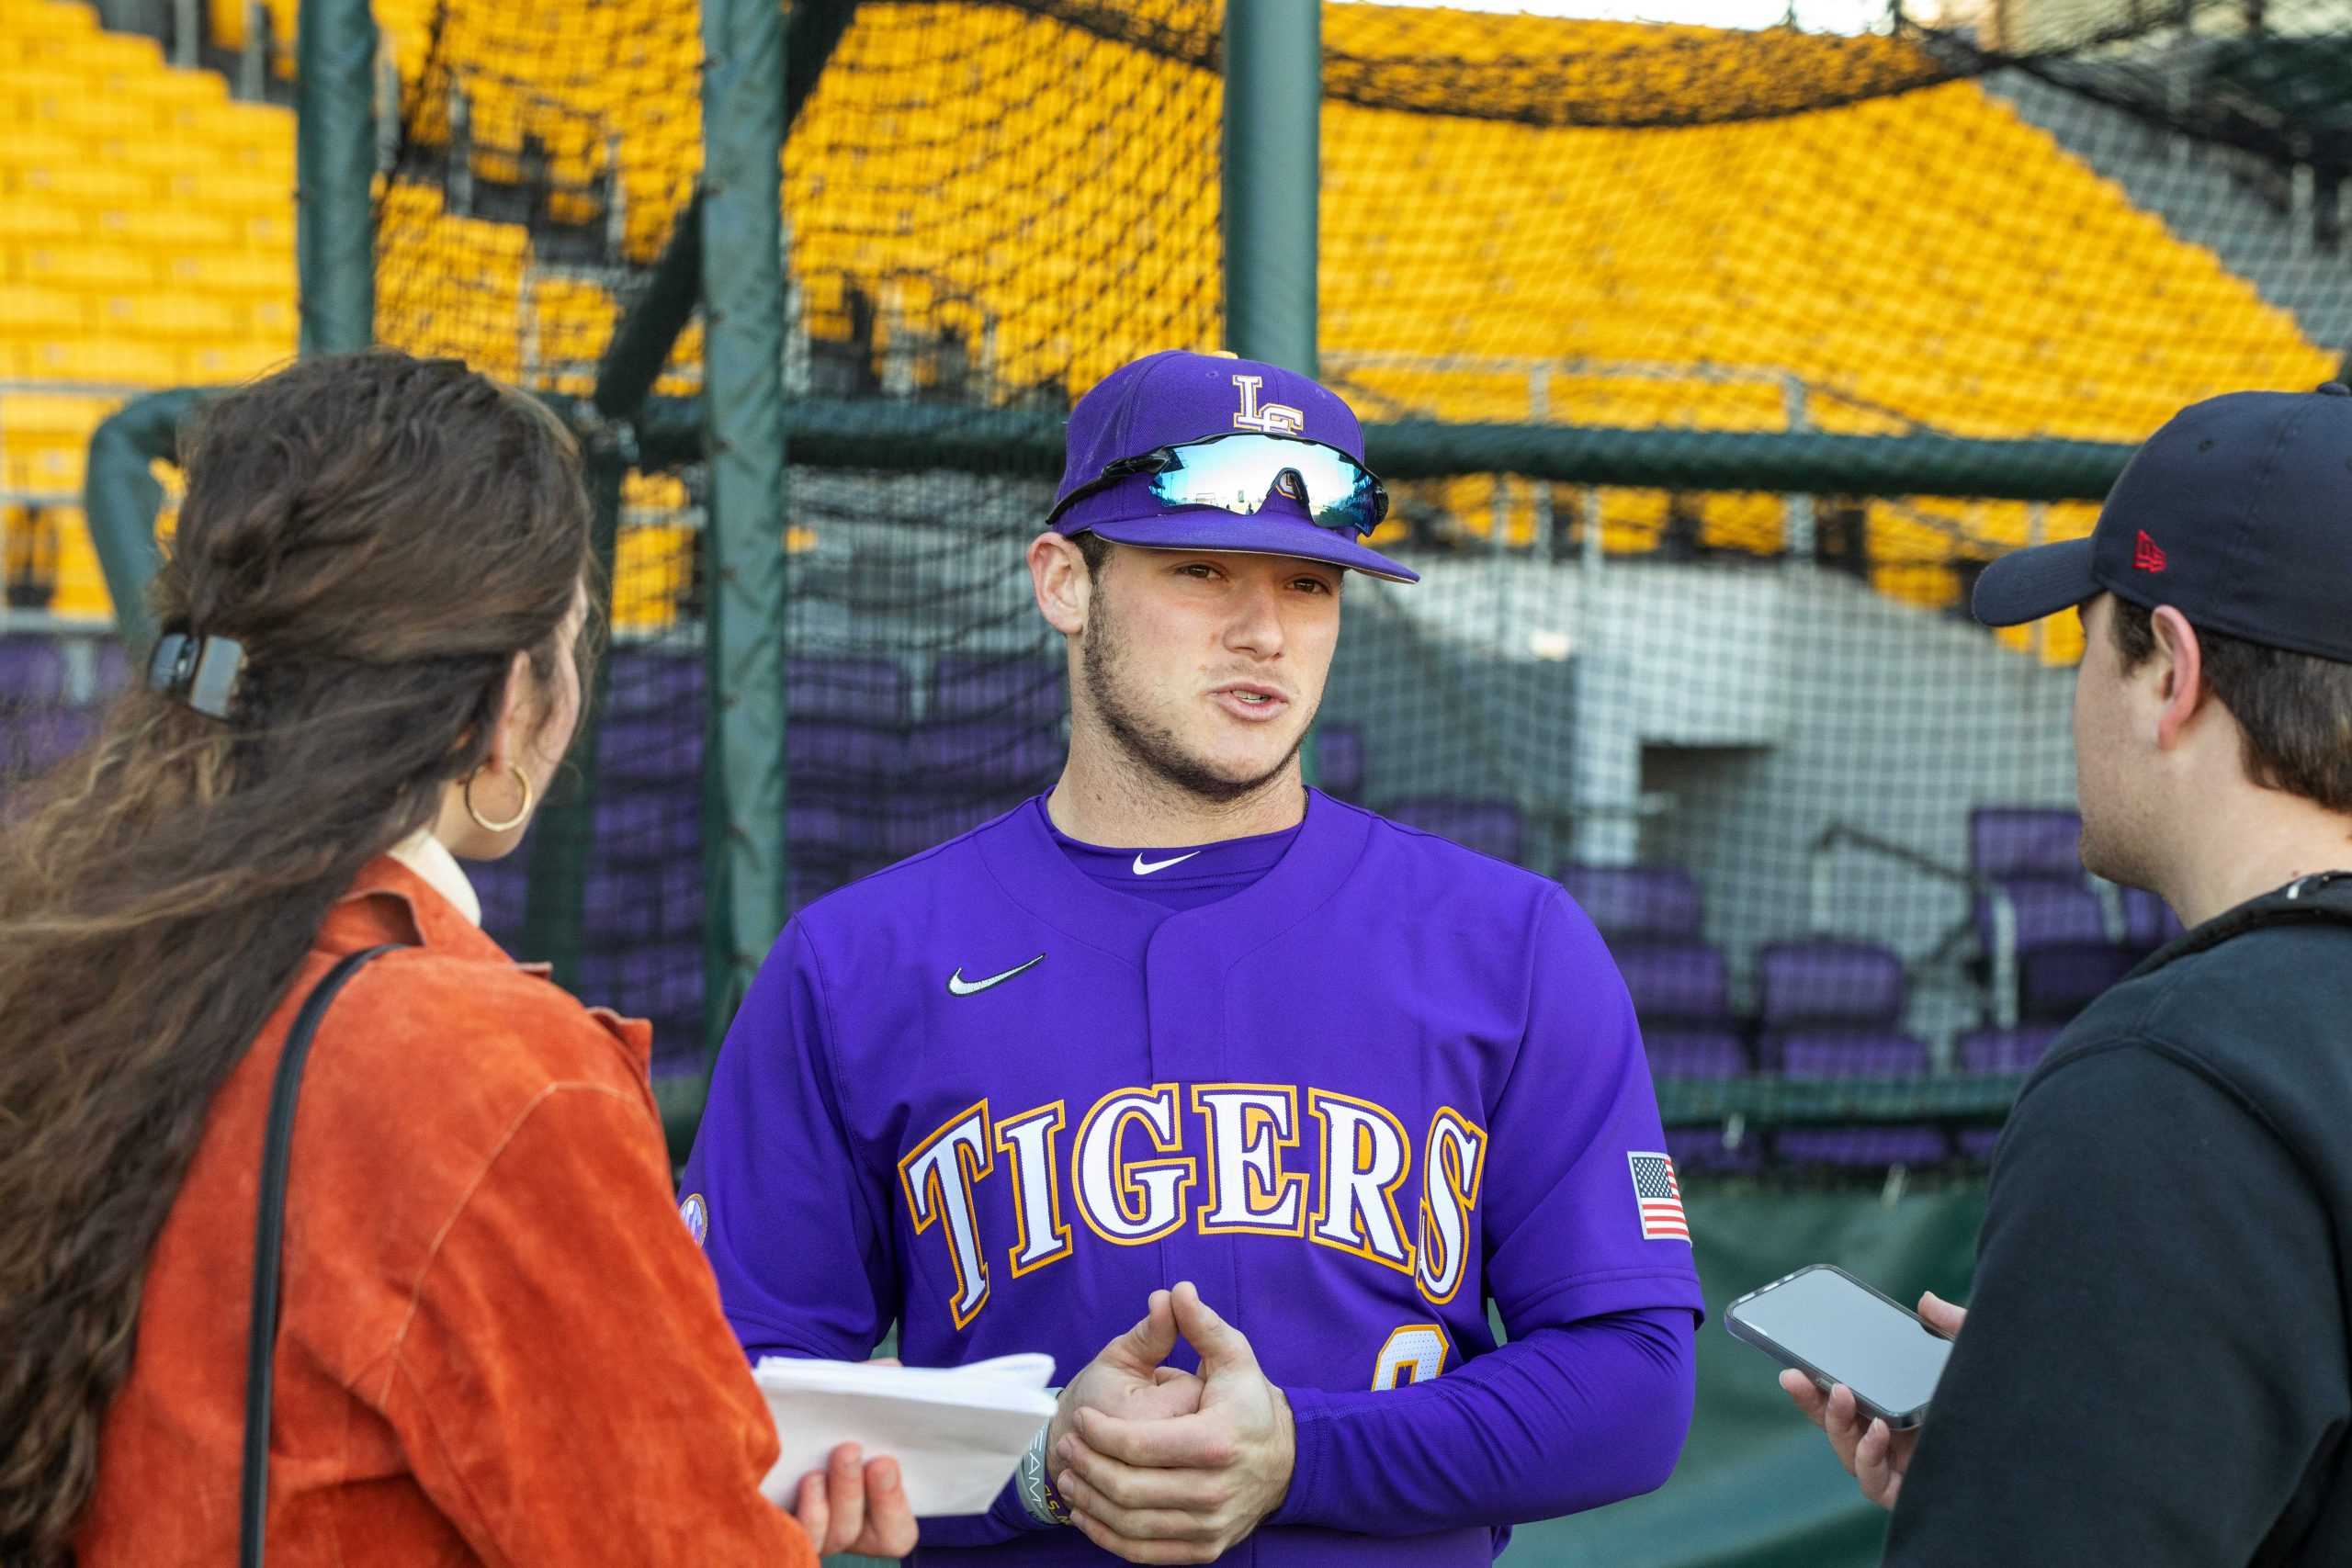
[1978,1142]
[1676,982]
[630,903]
[907,827]
[859,690]
[2148,920]
[2025,840]
[1874,1146]
[1703,1149]
[2004,1050]
[32,669]
[1637,902]
[1804,984]
[1680,1053]
[836,752]
[1490,826]
[114,669]
[502,886]
[1853,1054]
[660,980]
[2048,910]
[1339,761]
[1031,691]
[36,737]
[653,681]
[1856,1054]
[658,746]
[635,826]
[973,754]
[820,826]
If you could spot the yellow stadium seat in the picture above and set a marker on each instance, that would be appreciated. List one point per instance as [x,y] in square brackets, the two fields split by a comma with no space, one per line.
[179,318]
[81,582]
[83,186]
[175,229]
[220,363]
[54,19]
[102,361]
[87,268]
[30,312]
[233,275]
[25,221]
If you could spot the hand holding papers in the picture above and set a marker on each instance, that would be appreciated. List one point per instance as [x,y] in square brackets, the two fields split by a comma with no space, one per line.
[957,1432]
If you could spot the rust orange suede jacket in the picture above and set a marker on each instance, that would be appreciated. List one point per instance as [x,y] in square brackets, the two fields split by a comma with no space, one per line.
[499,1342]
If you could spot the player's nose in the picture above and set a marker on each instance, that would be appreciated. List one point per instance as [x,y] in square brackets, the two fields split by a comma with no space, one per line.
[1257,624]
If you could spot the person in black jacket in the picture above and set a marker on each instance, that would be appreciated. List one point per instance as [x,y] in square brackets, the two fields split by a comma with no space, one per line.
[2154,1370]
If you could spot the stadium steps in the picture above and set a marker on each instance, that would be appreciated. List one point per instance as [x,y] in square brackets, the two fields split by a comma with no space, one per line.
[2202,200]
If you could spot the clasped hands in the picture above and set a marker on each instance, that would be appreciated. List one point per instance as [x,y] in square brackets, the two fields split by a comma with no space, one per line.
[1159,1465]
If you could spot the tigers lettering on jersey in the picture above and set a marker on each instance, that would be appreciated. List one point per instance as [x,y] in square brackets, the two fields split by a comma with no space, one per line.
[1236,1167]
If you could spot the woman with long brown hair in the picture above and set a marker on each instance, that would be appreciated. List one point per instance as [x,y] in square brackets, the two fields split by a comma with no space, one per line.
[497,1343]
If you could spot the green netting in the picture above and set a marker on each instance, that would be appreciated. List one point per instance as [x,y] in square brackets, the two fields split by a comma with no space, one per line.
[1819,813]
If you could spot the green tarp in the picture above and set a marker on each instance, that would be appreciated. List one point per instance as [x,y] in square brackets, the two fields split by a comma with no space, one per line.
[1757,1487]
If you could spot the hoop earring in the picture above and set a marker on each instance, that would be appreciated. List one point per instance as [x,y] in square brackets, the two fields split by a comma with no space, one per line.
[485,823]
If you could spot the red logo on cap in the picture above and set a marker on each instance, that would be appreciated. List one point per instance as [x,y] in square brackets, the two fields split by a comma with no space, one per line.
[2147,555]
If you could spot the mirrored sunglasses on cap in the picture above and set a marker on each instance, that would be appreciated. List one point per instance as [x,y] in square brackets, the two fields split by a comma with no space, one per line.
[1236,471]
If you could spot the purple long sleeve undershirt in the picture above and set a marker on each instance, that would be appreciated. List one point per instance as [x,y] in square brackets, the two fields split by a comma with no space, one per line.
[1564,1420]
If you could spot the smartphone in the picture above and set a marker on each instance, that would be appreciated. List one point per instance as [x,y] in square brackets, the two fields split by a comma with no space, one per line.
[1834,1329]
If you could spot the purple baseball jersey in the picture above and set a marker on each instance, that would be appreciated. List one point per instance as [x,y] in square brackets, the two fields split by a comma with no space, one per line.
[988,1097]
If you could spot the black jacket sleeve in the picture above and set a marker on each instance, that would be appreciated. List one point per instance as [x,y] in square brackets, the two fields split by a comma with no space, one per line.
[2154,1345]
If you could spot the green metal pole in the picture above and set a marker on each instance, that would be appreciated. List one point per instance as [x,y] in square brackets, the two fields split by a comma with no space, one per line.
[1273,102]
[563,834]
[1273,118]
[122,499]
[641,343]
[743,118]
[335,151]
[904,437]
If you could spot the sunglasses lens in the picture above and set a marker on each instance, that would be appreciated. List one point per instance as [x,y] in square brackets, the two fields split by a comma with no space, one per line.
[1236,474]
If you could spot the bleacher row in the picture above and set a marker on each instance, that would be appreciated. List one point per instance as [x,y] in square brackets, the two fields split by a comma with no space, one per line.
[146,240]
[883,764]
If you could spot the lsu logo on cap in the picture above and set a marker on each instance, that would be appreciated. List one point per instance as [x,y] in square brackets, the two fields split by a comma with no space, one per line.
[1272,419]
[696,1213]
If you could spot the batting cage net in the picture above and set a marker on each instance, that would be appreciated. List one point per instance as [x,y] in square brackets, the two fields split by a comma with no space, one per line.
[1823,820]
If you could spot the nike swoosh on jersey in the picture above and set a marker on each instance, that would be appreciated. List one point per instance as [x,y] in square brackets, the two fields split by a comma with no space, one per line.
[1144,867]
[959,987]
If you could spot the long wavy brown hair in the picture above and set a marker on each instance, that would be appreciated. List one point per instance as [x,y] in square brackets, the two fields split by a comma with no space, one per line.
[383,534]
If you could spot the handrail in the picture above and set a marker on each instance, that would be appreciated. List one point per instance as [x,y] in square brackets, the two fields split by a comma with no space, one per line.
[2002,982]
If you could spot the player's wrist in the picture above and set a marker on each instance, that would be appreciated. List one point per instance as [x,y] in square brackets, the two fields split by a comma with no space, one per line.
[1034,1477]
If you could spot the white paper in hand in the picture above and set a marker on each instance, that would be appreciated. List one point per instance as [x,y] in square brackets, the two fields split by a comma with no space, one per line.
[957,1432]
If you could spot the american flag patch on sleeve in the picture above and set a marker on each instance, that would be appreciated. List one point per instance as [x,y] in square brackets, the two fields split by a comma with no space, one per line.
[1659,1198]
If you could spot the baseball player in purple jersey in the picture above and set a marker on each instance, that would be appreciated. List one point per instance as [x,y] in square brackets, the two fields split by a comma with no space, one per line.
[1183,1041]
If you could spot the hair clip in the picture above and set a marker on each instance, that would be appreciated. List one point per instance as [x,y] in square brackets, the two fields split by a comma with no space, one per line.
[202,671]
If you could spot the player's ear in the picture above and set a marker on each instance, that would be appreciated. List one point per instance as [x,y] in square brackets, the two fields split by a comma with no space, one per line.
[1064,589]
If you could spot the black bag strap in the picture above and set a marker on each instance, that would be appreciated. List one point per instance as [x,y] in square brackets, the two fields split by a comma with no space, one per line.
[269,1239]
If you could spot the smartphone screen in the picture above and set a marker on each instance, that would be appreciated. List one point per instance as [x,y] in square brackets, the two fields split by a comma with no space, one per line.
[1851,1335]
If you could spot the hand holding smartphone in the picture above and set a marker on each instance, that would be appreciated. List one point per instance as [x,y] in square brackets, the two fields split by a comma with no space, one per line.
[1836,1329]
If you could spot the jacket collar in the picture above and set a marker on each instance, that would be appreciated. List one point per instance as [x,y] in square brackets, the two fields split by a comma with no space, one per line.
[391,902]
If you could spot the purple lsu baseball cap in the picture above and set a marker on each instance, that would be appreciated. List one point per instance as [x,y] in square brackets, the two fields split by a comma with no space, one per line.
[1165,398]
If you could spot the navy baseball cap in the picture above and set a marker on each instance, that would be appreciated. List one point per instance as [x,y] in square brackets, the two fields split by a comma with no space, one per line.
[1174,397]
[2237,512]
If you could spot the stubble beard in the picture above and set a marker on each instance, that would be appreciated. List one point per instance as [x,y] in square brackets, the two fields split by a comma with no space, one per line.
[1155,748]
